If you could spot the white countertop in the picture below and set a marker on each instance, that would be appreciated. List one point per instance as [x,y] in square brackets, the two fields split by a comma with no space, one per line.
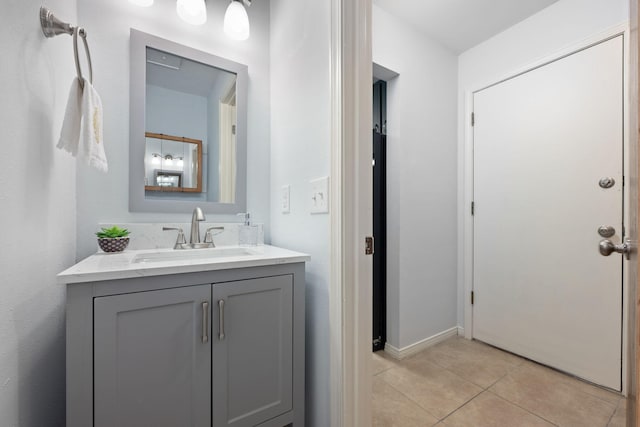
[111,266]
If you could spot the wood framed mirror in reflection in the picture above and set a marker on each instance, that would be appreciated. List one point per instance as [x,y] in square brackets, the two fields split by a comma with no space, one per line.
[172,163]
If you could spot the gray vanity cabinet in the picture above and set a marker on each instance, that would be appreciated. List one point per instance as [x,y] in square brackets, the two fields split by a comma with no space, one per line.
[202,349]
[252,350]
[151,367]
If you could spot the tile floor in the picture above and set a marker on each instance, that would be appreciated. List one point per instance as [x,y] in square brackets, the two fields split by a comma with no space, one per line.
[466,383]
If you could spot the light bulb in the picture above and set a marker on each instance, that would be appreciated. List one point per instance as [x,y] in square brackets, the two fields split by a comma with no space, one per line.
[155,159]
[168,160]
[192,11]
[180,162]
[143,3]
[236,21]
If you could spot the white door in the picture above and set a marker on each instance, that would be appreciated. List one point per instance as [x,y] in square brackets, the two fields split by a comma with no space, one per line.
[542,142]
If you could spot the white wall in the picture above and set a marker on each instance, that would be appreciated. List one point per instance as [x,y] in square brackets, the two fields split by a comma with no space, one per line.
[421,181]
[300,151]
[37,200]
[557,27]
[104,197]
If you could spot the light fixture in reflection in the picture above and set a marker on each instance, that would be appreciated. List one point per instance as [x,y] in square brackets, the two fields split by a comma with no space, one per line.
[236,20]
[192,11]
[143,3]
[180,162]
[155,159]
[168,160]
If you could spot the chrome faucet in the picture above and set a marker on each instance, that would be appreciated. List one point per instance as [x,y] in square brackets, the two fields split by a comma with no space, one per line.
[194,241]
[197,216]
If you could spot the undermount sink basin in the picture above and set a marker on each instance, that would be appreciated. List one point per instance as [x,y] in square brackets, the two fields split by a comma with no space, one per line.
[191,254]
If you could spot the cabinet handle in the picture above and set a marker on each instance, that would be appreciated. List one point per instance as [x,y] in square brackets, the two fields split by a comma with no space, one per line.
[221,319]
[205,321]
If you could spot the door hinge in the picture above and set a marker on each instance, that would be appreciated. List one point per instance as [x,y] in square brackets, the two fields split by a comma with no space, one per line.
[233,129]
[368,249]
[473,208]
[472,298]
[473,119]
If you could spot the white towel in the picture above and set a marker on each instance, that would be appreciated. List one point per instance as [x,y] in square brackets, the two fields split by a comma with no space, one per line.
[70,133]
[82,127]
[92,143]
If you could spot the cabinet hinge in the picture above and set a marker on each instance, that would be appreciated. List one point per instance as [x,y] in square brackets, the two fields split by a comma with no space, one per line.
[472,298]
[473,119]
[473,208]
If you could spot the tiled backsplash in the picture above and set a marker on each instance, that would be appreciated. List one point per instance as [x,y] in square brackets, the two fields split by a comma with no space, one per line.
[151,236]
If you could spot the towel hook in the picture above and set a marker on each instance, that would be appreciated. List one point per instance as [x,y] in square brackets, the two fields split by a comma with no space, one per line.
[52,26]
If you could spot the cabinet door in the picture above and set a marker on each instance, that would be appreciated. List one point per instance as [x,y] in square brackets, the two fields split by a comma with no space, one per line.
[252,350]
[152,358]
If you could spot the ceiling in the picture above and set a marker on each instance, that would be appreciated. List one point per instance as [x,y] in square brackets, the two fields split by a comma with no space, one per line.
[183,75]
[462,24]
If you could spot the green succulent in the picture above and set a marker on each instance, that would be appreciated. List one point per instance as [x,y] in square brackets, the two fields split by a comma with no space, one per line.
[113,232]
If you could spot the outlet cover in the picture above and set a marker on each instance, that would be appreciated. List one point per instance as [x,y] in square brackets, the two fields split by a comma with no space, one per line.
[319,195]
[285,197]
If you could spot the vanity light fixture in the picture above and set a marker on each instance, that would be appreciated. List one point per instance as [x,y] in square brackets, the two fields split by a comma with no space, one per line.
[236,20]
[143,3]
[192,11]
[168,160]
[180,162]
[155,159]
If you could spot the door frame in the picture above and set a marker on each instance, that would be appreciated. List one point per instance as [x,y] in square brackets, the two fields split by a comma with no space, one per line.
[465,176]
[351,196]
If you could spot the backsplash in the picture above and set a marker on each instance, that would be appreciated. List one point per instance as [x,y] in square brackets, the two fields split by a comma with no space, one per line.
[151,235]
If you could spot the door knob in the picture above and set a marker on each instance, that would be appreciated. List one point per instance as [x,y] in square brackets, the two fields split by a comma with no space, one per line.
[607,247]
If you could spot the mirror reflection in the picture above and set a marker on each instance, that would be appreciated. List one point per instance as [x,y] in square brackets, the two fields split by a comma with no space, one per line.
[191,117]
[172,163]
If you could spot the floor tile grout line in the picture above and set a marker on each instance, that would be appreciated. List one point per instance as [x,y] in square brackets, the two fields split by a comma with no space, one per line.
[409,398]
[614,413]
[462,406]
[505,398]
[523,408]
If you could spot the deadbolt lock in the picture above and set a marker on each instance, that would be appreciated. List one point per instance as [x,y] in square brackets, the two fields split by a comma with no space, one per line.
[606,182]
[606,231]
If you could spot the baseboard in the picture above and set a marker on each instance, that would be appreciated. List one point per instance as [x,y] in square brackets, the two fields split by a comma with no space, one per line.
[402,353]
[460,331]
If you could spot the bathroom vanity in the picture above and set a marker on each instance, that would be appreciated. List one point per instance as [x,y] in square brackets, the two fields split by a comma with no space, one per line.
[210,337]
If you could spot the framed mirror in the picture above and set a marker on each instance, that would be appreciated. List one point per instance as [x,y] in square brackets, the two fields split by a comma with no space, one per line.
[188,115]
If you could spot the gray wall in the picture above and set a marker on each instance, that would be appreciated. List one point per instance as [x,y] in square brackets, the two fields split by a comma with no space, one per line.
[37,199]
[300,151]
[104,197]
[421,181]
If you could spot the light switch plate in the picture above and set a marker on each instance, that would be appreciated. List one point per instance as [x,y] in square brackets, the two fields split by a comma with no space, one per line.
[285,197]
[319,195]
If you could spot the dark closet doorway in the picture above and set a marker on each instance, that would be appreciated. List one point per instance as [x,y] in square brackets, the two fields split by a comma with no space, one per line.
[379,215]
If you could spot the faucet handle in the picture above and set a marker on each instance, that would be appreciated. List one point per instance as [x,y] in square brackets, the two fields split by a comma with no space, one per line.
[180,241]
[208,237]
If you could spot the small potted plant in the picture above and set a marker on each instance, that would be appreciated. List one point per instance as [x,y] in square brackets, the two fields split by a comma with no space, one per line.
[113,239]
